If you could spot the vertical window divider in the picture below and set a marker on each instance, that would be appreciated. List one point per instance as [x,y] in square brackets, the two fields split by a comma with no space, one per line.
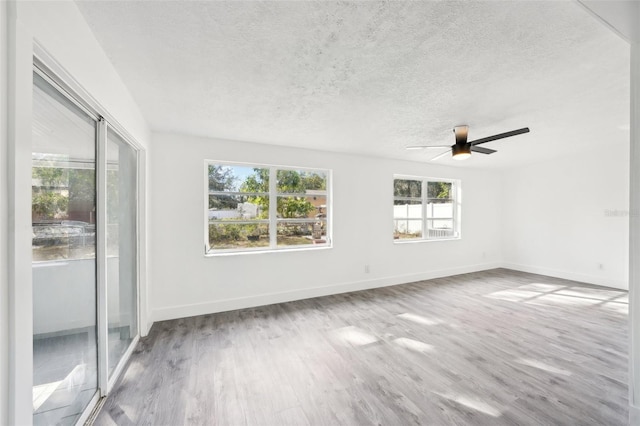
[425,200]
[273,207]
[101,256]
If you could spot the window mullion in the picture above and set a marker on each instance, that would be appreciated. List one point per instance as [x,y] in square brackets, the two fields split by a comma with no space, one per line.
[101,257]
[454,195]
[273,207]
[425,197]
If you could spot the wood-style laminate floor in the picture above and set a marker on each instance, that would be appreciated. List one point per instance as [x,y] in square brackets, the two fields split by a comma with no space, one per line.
[489,348]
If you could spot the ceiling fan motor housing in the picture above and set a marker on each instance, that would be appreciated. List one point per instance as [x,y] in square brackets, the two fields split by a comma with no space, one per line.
[459,149]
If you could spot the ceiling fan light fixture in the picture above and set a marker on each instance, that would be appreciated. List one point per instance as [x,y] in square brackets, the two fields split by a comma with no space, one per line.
[461,152]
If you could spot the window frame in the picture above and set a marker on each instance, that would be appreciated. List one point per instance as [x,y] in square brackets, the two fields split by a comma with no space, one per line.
[455,197]
[273,220]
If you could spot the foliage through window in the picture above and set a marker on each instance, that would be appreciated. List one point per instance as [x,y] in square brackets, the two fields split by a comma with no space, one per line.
[425,209]
[62,208]
[265,207]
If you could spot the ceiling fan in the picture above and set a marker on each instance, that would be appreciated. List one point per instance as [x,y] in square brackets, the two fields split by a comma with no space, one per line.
[462,149]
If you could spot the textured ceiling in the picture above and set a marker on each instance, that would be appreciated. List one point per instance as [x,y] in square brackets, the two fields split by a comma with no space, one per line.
[373,77]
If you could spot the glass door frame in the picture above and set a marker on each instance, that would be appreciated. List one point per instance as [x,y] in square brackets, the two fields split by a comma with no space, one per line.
[105,383]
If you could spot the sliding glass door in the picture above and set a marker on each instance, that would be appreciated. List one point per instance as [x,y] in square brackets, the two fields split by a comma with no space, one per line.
[85,267]
[122,312]
[64,257]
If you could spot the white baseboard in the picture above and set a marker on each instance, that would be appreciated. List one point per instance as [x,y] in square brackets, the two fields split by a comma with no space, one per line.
[184,311]
[589,279]
[634,415]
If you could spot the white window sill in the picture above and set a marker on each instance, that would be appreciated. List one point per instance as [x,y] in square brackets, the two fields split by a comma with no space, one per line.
[420,240]
[214,253]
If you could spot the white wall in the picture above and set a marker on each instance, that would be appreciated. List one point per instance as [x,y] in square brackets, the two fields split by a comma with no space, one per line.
[188,283]
[568,216]
[59,29]
[4,211]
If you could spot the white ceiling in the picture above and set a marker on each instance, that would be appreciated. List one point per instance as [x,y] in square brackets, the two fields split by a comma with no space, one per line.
[372,77]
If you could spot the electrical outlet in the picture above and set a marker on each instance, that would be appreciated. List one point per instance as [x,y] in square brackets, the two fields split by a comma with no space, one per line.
[600,266]
[366,269]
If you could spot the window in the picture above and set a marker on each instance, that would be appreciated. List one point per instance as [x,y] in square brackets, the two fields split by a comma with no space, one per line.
[425,209]
[258,207]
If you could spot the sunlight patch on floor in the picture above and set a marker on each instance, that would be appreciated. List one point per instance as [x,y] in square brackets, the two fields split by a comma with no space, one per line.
[557,299]
[622,299]
[414,345]
[473,403]
[554,294]
[133,371]
[593,293]
[419,319]
[542,366]
[542,287]
[512,295]
[354,336]
[621,308]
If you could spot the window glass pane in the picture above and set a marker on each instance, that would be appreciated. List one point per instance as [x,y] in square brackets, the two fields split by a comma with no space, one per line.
[439,191]
[440,228]
[310,207]
[64,266]
[440,209]
[407,229]
[63,207]
[407,188]
[403,209]
[223,236]
[122,316]
[301,181]
[231,178]
[296,233]
[238,207]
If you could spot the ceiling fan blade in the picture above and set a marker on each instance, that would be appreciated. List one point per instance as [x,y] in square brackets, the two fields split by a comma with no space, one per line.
[482,150]
[427,146]
[439,156]
[500,136]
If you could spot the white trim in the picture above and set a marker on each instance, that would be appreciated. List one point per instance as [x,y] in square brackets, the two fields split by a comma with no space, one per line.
[634,415]
[101,255]
[634,237]
[122,363]
[273,208]
[567,275]
[19,123]
[71,88]
[286,249]
[4,215]
[41,70]
[144,321]
[422,240]
[89,409]
[184,311]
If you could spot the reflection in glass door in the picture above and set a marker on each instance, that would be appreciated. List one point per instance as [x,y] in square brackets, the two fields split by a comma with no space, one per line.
[121,248]
[64,257]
